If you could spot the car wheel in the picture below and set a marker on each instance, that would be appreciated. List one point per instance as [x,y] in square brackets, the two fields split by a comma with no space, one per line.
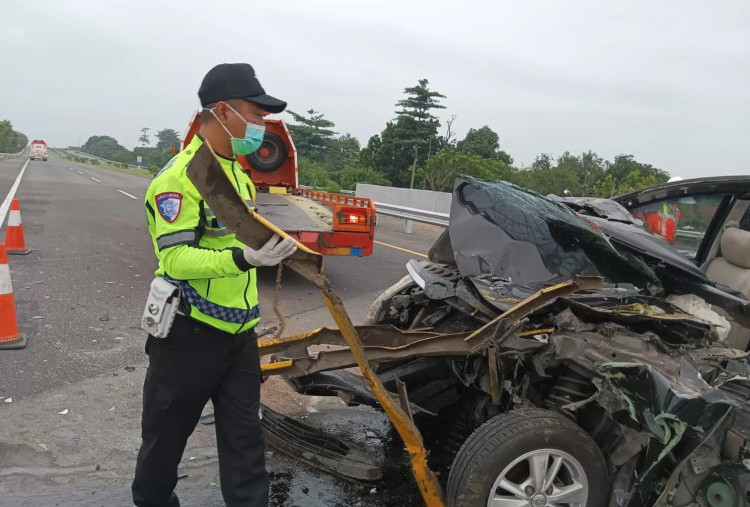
[528,457]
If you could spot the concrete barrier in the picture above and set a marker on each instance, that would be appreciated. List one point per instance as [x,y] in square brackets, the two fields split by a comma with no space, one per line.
[428,200]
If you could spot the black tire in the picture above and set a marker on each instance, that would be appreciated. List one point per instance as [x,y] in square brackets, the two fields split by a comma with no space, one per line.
[274,145]
[500,441]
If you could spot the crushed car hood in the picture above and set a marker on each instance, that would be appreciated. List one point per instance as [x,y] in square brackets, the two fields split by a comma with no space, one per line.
[500,230]
[512,233]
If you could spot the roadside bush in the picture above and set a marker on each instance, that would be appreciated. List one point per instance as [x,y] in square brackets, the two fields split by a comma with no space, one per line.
[332,187]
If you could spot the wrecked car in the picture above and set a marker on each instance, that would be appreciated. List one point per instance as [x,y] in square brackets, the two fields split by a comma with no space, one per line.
[570,351]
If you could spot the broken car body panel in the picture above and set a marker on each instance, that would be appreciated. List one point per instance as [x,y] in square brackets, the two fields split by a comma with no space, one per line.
[648,381]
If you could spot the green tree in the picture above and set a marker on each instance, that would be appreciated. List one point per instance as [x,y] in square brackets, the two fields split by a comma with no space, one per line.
[342,151]
[312,134]
[623,165]
[10,140]
[441,171]
[21,141]
[153,157]
[6,136]
[608,186]
[167,138]
[558,180]
[411,139]
[108,148]
[542,162]
[313,173]
[588,169]
[351,175]
[145,138]
[483,142]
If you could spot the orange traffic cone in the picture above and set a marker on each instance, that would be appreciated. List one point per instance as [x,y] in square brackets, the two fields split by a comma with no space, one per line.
[10,338]
[15,243]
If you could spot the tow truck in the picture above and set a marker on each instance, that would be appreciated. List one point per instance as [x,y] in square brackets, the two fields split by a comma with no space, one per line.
[328,223]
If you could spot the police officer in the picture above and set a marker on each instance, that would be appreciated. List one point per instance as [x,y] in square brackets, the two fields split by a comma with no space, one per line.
[210,353]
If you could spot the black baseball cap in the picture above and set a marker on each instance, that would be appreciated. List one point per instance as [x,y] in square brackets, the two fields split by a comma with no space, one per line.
[236,81]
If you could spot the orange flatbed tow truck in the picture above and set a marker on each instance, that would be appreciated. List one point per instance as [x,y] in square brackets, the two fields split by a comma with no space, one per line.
[330,224]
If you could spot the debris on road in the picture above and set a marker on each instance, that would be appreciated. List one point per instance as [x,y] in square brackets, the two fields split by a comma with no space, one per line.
[64,412]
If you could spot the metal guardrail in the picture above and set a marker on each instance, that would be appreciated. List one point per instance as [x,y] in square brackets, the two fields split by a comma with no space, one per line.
[309,187]
[417,215]
[13,155]
[78,153]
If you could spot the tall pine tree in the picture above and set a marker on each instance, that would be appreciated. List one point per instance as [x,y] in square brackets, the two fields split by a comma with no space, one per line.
[312,134]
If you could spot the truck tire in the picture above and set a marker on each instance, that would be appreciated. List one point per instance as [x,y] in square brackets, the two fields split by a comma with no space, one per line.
[497,458]
[270,156]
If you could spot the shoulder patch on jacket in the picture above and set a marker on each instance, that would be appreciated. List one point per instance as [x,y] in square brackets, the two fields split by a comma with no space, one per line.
[169,205]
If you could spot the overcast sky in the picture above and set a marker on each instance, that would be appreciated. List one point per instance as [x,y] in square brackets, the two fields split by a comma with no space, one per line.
[668,82]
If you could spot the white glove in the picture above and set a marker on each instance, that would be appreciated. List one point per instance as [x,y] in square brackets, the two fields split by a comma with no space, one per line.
[272,253]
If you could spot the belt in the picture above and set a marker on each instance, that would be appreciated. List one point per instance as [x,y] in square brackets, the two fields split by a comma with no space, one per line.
[208,328]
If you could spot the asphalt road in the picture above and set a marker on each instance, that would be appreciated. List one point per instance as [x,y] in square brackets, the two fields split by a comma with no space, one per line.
[80,293]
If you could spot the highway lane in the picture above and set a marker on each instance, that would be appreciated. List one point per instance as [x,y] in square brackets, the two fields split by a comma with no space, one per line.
[79,294]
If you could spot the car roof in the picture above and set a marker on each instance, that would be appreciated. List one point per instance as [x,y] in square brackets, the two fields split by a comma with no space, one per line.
[736,185]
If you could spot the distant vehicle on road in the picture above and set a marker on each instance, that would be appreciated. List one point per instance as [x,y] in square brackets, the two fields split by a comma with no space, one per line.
[38,150]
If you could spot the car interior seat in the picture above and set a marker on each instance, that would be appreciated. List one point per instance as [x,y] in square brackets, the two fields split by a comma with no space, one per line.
[733,269]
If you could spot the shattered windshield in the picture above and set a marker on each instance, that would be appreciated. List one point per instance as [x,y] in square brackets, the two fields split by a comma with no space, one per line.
[500,229]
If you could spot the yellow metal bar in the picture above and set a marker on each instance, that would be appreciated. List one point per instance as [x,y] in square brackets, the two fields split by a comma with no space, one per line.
[278,344]
[271,368]
[427,482]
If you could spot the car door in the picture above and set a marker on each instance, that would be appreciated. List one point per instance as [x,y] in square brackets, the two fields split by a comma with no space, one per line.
[690,214]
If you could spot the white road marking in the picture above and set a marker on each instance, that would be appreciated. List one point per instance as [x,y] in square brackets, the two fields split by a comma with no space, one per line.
[79,172]
[125,193]
[6,203]
[98,181]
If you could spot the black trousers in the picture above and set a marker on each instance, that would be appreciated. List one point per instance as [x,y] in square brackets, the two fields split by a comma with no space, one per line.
[193,364]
